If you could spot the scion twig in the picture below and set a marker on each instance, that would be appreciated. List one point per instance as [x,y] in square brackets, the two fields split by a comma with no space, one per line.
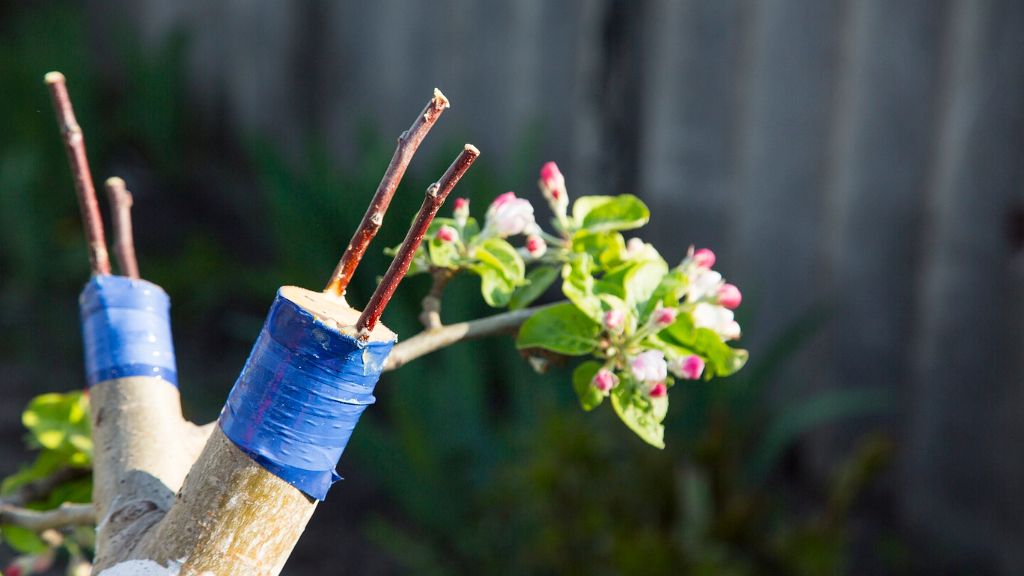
[435,196]
[66,514]
[121,209]
[433,340]
[74,143]
[408,142]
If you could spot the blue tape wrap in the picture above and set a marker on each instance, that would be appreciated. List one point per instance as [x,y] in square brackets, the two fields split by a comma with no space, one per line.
[300,395]
[126,329]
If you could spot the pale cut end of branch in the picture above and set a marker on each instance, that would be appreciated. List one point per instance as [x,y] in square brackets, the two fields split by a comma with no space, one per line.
[440,100]
[408,143]
[434,197]
[74,145]
[54,77]
[124,243]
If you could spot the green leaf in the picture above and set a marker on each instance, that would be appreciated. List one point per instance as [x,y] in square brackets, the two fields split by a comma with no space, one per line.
[578,286]
[642,280]
[633,281]
[537,281]
[443,254]
[562,328]
[495,288]
[53,419]
[604,213]
[500,255]
[668,292]
[582,378]
[501,270]
[23,540]
[605,248]
[643,415]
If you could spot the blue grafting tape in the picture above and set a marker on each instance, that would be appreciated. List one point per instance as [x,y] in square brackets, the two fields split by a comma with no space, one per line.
[126,329]
[300,395]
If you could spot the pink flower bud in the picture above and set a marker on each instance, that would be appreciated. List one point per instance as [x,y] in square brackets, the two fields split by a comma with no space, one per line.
[14,570]
[658,390]
[461,210]
[508,215]
[604,381]
[729,296]
[690,367]
[536,246]
[704,258]
[552,185]
[649,366]
[614,321]
[664,316]
[447,234]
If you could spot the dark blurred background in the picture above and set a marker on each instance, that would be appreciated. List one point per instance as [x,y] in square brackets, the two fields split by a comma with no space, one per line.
[856,165]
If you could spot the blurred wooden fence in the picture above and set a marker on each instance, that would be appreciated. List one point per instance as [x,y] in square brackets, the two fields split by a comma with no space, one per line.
[865,156]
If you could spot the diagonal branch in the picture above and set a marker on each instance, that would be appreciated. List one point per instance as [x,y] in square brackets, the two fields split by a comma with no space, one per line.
[435,196]
[433,340]
[74,144]
[408,142]
[67,514]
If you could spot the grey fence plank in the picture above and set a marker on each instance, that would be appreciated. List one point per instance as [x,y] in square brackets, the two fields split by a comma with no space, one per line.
[957,490]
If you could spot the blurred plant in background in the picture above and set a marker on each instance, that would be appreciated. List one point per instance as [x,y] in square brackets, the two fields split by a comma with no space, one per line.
[478,468]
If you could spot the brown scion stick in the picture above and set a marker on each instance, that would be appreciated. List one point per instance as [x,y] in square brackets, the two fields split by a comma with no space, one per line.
[408,142]
[436,194]
[74,143]
[124,245]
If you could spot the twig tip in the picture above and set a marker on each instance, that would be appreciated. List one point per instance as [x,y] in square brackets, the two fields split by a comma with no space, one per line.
[114,181]
[472,149]
[53,77]
[440,100]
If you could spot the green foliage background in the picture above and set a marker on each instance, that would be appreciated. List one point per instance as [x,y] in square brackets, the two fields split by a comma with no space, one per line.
[470,462]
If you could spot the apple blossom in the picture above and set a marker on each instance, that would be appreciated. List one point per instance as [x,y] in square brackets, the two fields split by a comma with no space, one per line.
[536,246]
[461,211]
[649,366]
[729,296]
[604,381]
[717,319]
[447,234]
[704,284]
[509,215]
[688,367]
[658,390]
